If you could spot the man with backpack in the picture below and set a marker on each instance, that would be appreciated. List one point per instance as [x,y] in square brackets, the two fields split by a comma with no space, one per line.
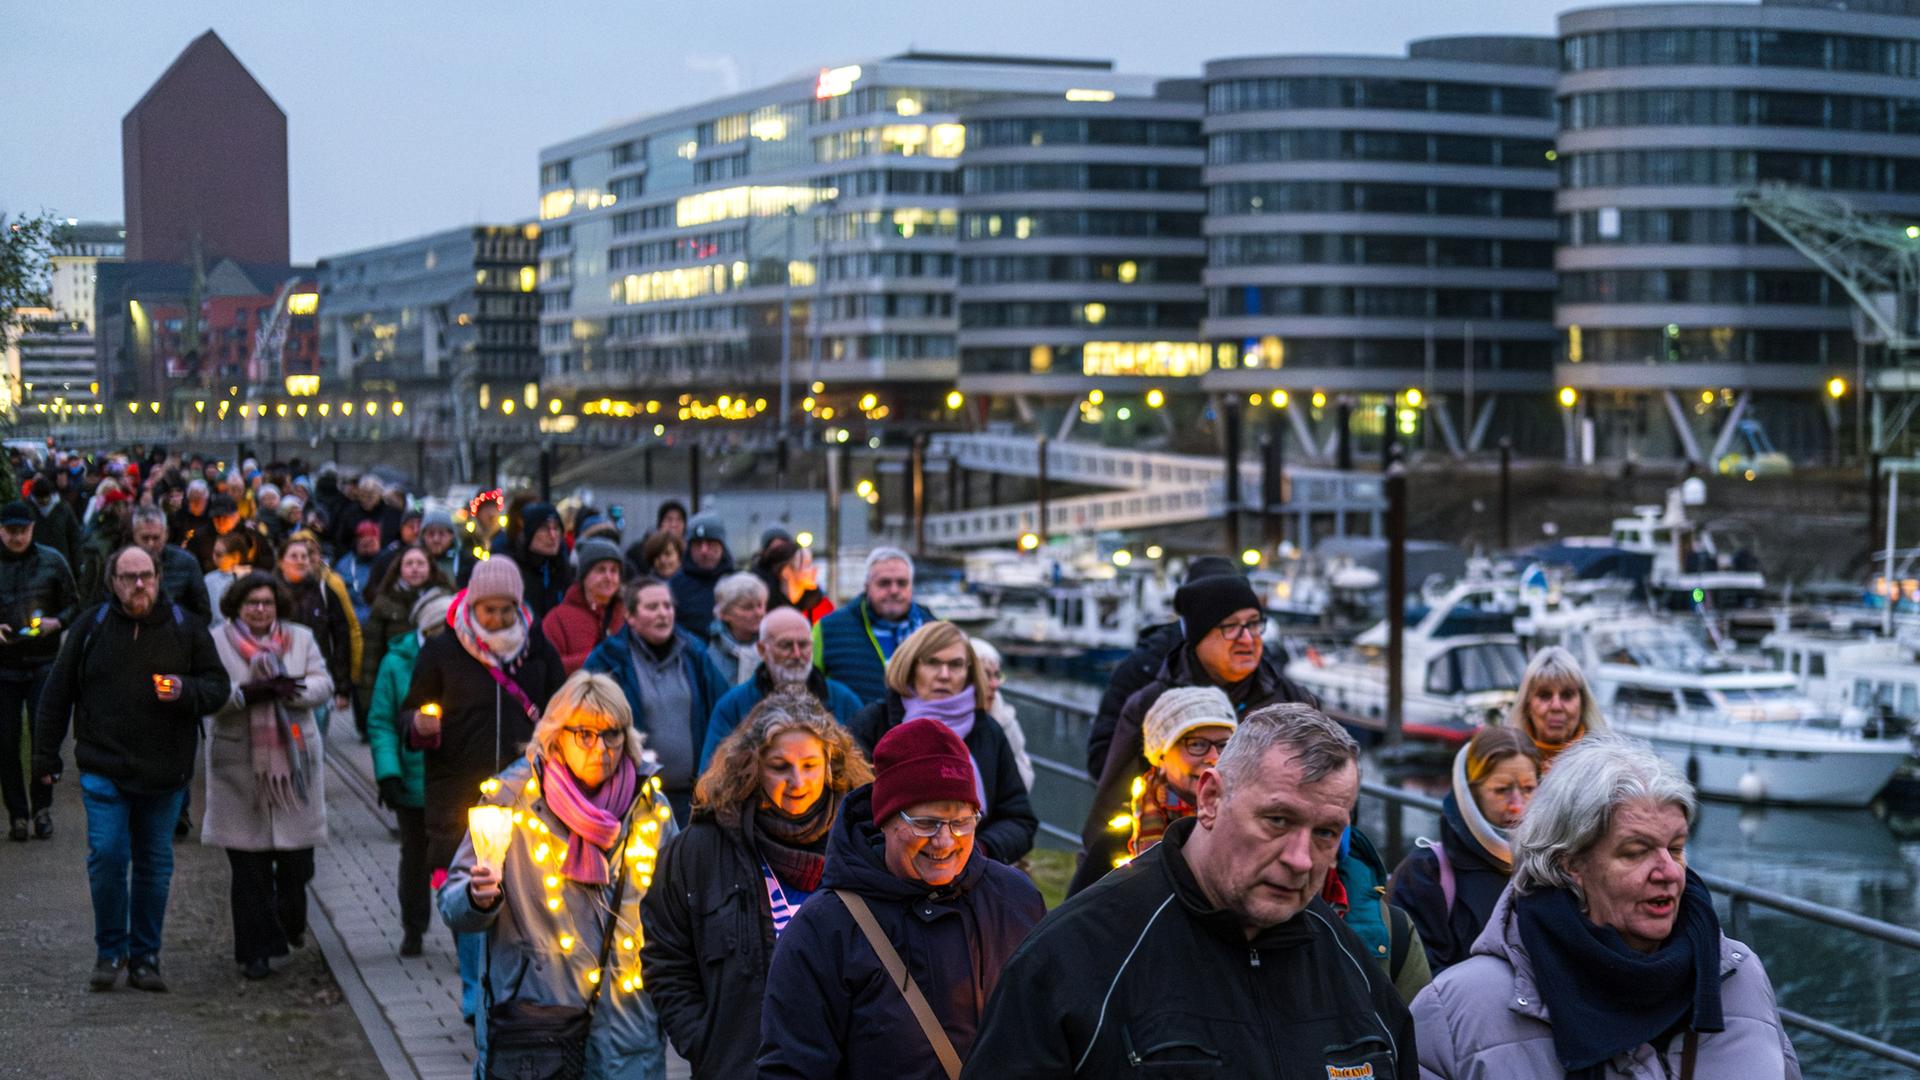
[133,678]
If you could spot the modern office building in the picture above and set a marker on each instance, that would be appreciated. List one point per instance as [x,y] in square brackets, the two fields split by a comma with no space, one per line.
[672,244]
[79,247]
[1080,251]
[443,321]
[54,360]
[204,162]
[1688,327]
[1377,225]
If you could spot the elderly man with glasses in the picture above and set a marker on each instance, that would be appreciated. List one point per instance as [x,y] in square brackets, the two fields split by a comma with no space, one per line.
[133,678]
[1222,625]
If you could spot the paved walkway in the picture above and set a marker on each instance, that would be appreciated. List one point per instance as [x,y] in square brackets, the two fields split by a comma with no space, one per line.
[410,1008]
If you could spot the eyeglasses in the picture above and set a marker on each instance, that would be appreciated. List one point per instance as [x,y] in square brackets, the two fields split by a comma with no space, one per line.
[926,828]
[267,603]
[138,578]
[1234,631]
[1197,747]
[588,738]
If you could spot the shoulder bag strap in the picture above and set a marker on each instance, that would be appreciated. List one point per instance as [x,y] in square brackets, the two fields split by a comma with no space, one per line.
[1689,1050]
[616,860]
[1448,888]
[897,971]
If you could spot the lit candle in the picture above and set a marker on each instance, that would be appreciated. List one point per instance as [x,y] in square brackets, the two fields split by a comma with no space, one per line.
[492,829]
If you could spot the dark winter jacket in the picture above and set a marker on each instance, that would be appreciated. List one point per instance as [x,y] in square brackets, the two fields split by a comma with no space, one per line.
[1134,671]
[1141,975]
[37,582]
[388,617]
[317,608]
[844,648]
[832,1012]
[709,939]
[614,657]
[546,577]
[482,726]
[734,706]
[1478,877]
[57,528]
[692,590]
[1006,832]
[102,684]
[347,522]
[1126,757]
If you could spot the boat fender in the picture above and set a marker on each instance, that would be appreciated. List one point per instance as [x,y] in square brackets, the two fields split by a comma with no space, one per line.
[1752,788]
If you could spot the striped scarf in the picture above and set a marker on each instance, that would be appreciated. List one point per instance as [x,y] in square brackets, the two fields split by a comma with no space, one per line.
[1155,806]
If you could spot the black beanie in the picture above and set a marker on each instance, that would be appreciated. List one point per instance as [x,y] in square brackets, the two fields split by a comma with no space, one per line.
[1207,566]
[1208,602]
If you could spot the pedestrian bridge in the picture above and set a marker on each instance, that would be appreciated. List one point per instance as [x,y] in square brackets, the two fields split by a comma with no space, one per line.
[1154,489]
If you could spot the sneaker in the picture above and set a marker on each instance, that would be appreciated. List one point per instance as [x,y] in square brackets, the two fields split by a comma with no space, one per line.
[145,975]
[410,945]
[18,833]
[43,825]
[297,939]
[256,969]
[106,973]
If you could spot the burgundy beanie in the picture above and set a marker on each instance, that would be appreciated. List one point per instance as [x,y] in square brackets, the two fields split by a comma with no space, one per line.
[920,761]
[497,576]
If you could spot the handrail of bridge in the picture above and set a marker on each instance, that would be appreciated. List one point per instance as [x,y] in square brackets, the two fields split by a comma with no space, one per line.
[1739,894]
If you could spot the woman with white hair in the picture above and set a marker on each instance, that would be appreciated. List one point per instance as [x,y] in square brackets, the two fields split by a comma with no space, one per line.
[1604,957]
[561,911]
[1555,706]
[739,602]
[998,707]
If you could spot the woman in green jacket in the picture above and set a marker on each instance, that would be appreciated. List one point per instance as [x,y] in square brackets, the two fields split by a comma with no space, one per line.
[399,769]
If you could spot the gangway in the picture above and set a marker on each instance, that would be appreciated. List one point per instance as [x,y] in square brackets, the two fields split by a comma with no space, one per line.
[1156,489]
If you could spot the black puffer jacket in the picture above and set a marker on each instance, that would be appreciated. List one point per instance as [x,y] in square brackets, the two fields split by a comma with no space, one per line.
[1142,975]
[319,610]
[832,1012]
[1007,832]
[1478,879]
[1126,756]
[708,942]
[36,582]
[1134,671]
[102,683]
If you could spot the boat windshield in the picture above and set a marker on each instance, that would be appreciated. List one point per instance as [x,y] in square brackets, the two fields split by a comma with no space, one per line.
[1472,669]
[1661,647]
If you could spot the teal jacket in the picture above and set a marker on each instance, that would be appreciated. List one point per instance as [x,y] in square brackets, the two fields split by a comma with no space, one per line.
[391,754]
[1397,948]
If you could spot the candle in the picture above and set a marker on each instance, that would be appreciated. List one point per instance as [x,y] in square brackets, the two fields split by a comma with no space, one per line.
[162,685]
[430,709]
[492,829]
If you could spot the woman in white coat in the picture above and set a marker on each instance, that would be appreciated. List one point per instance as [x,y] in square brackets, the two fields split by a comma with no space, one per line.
[266,776]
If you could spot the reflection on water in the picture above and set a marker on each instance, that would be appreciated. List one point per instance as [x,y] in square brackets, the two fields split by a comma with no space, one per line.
[1846,859]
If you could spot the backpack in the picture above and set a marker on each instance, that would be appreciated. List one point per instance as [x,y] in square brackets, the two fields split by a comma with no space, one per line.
[89,627]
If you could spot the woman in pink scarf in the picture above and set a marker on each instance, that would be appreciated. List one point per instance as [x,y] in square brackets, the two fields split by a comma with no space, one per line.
[266,779]
[589,820]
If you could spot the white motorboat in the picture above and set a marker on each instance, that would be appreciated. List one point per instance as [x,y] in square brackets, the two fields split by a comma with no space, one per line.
[1688,569]
[1738,732]
[1454,682]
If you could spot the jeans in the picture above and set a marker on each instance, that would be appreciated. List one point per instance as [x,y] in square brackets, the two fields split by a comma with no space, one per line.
[125,829]
[20,695]
[269,900]
[471,949]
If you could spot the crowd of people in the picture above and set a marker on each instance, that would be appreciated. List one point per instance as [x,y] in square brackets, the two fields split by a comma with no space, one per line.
[664,797]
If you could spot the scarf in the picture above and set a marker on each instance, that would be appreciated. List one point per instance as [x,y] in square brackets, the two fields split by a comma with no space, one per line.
[593,818]
[1155,806]
[1551,750]
[1488,835]
[793,847]
[957,712]
[494,648]
[282,756]
[1607,999]
[887,634]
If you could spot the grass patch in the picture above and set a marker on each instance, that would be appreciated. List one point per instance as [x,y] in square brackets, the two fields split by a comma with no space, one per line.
[1051,871]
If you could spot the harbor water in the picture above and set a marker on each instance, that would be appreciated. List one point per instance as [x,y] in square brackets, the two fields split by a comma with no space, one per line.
[1847,860]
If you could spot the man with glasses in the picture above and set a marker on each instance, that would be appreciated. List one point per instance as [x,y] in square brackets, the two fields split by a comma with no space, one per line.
[181,578]
[854,643]
[786,661]
[903,889]
[1222,626]
[37,601]
[133,679]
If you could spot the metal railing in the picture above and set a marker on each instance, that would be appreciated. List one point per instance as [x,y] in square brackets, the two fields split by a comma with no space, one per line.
[1740,896]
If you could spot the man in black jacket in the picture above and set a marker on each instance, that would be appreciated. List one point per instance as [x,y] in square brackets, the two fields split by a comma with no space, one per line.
[133,679]
[55,525]
[37,600]
[1213,950]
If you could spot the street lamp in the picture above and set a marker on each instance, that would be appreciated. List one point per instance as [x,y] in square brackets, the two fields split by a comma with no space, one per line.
[1568,397]
[1836,388]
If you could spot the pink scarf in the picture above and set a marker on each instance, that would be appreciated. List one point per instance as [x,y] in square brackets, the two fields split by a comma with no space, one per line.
[594,818]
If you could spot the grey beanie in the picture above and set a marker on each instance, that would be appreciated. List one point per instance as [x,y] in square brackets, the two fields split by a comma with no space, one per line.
[437,516]
[589,553]
[706,526]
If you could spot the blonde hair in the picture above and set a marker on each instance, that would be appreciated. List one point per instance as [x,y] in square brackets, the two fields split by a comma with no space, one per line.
[1555,666]
[585,693]
[734,773]
[924,642]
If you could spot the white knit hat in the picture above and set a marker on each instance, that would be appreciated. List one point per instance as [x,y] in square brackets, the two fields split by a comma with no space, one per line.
[1181,710]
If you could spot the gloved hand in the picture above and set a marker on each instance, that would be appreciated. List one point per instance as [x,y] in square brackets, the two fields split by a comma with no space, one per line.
[255,693]
[393,792]
[285,687]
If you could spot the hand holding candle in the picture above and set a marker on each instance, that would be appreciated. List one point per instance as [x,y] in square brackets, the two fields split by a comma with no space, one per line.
[166,687]
[492,831]
[426,721]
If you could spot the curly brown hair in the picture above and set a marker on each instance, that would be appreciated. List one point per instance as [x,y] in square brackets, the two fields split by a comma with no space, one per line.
[734,774]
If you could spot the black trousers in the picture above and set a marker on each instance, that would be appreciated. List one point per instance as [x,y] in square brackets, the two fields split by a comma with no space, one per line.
[416,872]
[20,697]
[269,900]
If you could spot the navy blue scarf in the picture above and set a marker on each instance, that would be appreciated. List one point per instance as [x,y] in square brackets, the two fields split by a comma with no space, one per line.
[1604,998]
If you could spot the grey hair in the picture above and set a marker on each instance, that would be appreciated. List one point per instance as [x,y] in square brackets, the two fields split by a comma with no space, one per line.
[1556,666]
[197,486]
[1574,808]
[148,515]
[739,588]
[984,651]
[1318,744]
[886,554]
